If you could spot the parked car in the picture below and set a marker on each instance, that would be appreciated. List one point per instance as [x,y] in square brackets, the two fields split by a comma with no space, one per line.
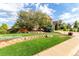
[70,33]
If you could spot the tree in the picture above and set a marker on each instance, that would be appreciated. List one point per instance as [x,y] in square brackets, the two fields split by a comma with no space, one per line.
[60,22]
[71,29]
[25,20]
[76,24]
[32,19]
[64,26]
[4,26]
[68,26]
[56,25]
[78,30]
[42,19]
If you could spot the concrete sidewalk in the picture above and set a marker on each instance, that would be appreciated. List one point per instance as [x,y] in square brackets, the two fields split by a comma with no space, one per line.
[67,48]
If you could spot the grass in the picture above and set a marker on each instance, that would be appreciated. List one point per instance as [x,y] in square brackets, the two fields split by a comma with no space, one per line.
[29,48]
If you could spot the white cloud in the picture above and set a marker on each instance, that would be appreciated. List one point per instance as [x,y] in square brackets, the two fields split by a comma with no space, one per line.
[44,8]
[3,13]
[5,20]
[75,9]
[10,6]
[65,16]
[9,10]
[69,17]
[47,10]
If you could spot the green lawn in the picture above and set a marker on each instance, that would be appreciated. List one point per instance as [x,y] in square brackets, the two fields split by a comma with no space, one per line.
[32,47]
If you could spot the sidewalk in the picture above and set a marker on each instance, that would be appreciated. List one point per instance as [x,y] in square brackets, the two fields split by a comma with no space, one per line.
[67,48]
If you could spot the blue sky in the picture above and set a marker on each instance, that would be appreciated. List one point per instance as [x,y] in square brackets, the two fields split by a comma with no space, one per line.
[68,12]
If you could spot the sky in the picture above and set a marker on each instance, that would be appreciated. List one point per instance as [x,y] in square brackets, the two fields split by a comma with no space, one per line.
[68,12]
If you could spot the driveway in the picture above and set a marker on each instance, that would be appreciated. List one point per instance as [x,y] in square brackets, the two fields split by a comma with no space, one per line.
[67,48]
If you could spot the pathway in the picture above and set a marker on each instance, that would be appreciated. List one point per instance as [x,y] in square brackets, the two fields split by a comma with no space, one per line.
[67,48]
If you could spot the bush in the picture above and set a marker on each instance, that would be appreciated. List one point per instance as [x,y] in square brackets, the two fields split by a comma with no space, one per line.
[48,29]
[71,29]
[78,30]
[70,33]
[3,31]
[64,28]
[12,30]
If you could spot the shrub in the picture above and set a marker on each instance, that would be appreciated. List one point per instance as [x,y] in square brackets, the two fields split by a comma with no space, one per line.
[46,36]
[12,30]
[71,29]
[78,30]
[64,28]
[3,31]
[48,29]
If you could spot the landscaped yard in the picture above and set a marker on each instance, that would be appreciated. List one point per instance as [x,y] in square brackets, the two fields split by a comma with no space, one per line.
[17,35]
[34,46]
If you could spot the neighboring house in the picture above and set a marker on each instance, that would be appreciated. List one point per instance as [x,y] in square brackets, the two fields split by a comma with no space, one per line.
[23,30]
[14,30]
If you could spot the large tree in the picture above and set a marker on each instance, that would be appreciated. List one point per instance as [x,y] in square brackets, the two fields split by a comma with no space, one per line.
[33,19]
[25,20]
